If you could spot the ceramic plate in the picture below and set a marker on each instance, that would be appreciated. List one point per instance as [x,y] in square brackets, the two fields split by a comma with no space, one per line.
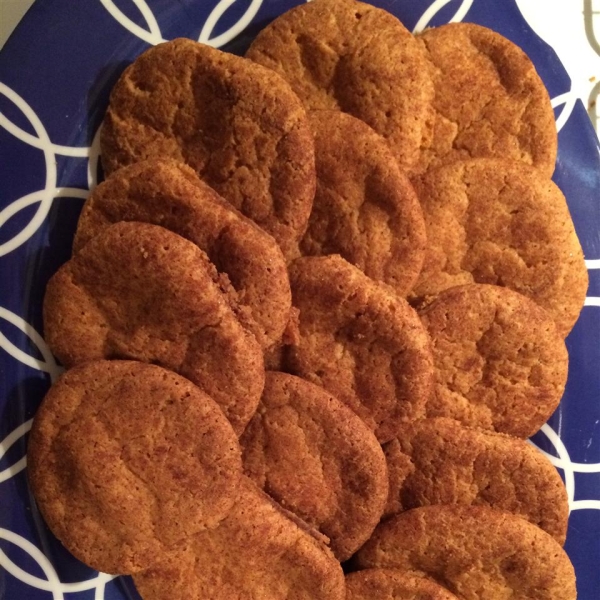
[56,72]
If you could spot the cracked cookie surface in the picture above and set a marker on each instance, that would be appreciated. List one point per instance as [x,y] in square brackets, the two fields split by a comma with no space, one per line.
[365,208]
[452,464]
[354,57]
[500,363]
[475,552]
[391,584]
[126,459]
[237,124]
[255,553]
[169,194]
[318,459]
[489,100]
[138,291]
[501,222]
[361,342]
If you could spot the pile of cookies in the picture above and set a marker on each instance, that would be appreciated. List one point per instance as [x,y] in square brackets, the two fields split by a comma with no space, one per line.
[311,316]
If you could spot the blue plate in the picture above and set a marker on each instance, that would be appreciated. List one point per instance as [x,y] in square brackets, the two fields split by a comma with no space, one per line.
[56,72]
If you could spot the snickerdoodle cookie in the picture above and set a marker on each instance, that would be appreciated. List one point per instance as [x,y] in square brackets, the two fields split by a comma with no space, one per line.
[502,222]
[500,363]
[453,464]
[170,194]
[256,553]
[351,56]
[489,100]
[392,584]
[361,342]
[318,459]
[365,208]
[478,553]
[236,123]
[139,291]
[127,459]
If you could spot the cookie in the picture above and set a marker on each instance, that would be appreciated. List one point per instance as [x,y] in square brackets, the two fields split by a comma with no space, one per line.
[361,342]
[169,194]
[391,584]
[478,553]
[317,459]
[500,364]
[237,124]
[141,292]
[489,100]
[452,464]
[501,222]
[126,459]
[255,553]
[365,208]
[354,57]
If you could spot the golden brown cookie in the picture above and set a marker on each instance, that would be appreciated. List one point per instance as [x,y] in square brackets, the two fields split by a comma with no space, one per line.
[361,342]
[365,208]
[350,56]
[141,292]
[501,222]
[237,124]
[170,194]
[318,459]
[391,584]
[452,464]
[256,553]
[478,553]
[500,364]
[489,100]
[126,459]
